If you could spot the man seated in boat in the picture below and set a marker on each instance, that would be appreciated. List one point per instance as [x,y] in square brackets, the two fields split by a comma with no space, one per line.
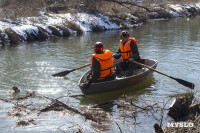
[128,50]
[101,65]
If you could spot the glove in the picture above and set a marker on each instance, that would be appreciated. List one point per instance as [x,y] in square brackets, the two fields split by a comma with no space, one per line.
[116,56]
[130,59]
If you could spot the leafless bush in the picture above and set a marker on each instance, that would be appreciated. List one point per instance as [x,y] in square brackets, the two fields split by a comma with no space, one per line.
[23,8]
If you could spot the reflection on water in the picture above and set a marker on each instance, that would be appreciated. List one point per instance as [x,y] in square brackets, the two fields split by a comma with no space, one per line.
[144,87]
[29,66]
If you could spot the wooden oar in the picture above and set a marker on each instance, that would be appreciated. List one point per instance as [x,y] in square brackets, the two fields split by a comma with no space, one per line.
[64,73]
[183,82]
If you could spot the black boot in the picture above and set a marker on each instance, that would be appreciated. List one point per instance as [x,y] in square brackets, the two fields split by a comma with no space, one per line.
[117,70]
[130,69]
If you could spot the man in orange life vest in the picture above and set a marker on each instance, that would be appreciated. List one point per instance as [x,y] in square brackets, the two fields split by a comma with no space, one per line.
[128,50]
[101,65]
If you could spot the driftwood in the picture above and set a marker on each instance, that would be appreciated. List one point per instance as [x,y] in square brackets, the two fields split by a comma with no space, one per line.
[180,107]
[57,105]
[16,90]
[25,123]
[194,109]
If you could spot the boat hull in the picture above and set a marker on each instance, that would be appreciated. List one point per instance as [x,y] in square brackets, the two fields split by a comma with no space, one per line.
[119,82]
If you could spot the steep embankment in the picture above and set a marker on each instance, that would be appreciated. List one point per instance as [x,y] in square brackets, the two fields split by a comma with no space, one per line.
[29,21]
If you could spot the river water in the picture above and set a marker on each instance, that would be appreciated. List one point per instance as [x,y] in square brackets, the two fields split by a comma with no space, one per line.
[174,44]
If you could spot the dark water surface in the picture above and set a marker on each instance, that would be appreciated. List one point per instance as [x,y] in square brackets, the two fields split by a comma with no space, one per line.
[174,44]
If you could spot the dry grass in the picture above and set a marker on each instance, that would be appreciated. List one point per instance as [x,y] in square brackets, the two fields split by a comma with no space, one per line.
[11,9]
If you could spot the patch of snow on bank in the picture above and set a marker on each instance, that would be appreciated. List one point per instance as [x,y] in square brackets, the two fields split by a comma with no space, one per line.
[178,9]
[4,25]
[86,21]
[108,24]
[198,5]
[21,30]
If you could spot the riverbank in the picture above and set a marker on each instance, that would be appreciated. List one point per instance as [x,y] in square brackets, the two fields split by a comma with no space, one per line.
[64,22]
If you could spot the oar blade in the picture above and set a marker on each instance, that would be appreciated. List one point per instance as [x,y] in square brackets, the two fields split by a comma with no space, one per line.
[62,74]
[185,83]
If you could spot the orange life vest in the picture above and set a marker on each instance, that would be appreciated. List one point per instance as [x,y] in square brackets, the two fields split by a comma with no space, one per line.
[106,63]
[126,49]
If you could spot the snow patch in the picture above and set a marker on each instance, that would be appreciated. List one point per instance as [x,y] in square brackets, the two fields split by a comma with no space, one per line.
[176,7]
[21,30]
[4,25]
[85,21]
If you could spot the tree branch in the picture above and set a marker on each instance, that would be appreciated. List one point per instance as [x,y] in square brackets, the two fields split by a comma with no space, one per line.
[129,3]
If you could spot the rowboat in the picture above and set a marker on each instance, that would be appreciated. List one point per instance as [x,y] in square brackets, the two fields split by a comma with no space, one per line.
[121,81]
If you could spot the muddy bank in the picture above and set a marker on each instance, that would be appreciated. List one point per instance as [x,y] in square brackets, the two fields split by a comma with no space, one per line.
[61,19]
